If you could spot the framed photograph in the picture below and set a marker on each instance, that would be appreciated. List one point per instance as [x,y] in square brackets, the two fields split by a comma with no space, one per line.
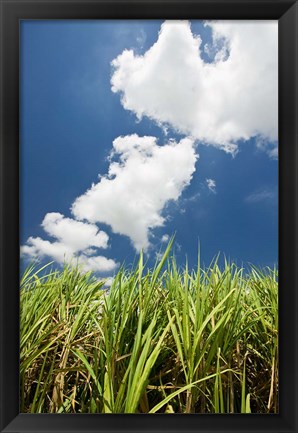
[148,216]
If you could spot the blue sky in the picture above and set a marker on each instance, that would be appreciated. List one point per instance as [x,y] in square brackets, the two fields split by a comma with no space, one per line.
[183,117]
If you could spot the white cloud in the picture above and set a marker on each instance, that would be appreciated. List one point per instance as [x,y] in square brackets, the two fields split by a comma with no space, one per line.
[97,263]
[211,184]
[141,38]
[261,196]
[233,98]
[193,197]
[271,148]
[38,248]
[109,281]
[159,255]
[76,234]
[73,240]
[165,238]
[145,177]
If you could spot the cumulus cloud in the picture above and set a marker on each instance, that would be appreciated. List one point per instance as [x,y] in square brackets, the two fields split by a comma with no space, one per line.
[211,184]
[76,234]
[72,239]
[97,263]
[143,176]
[230,99]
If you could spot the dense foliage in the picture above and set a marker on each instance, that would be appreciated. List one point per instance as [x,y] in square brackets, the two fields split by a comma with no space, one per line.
[166,340]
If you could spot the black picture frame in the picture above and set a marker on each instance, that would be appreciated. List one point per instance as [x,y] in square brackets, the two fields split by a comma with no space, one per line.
[12,11]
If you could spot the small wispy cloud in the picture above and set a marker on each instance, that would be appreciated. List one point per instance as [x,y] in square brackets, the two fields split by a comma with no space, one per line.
[158,255]
[269,147]
[141,38]
[165,238]
[193,197]
[263,195]
[211,184]
[178,246]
